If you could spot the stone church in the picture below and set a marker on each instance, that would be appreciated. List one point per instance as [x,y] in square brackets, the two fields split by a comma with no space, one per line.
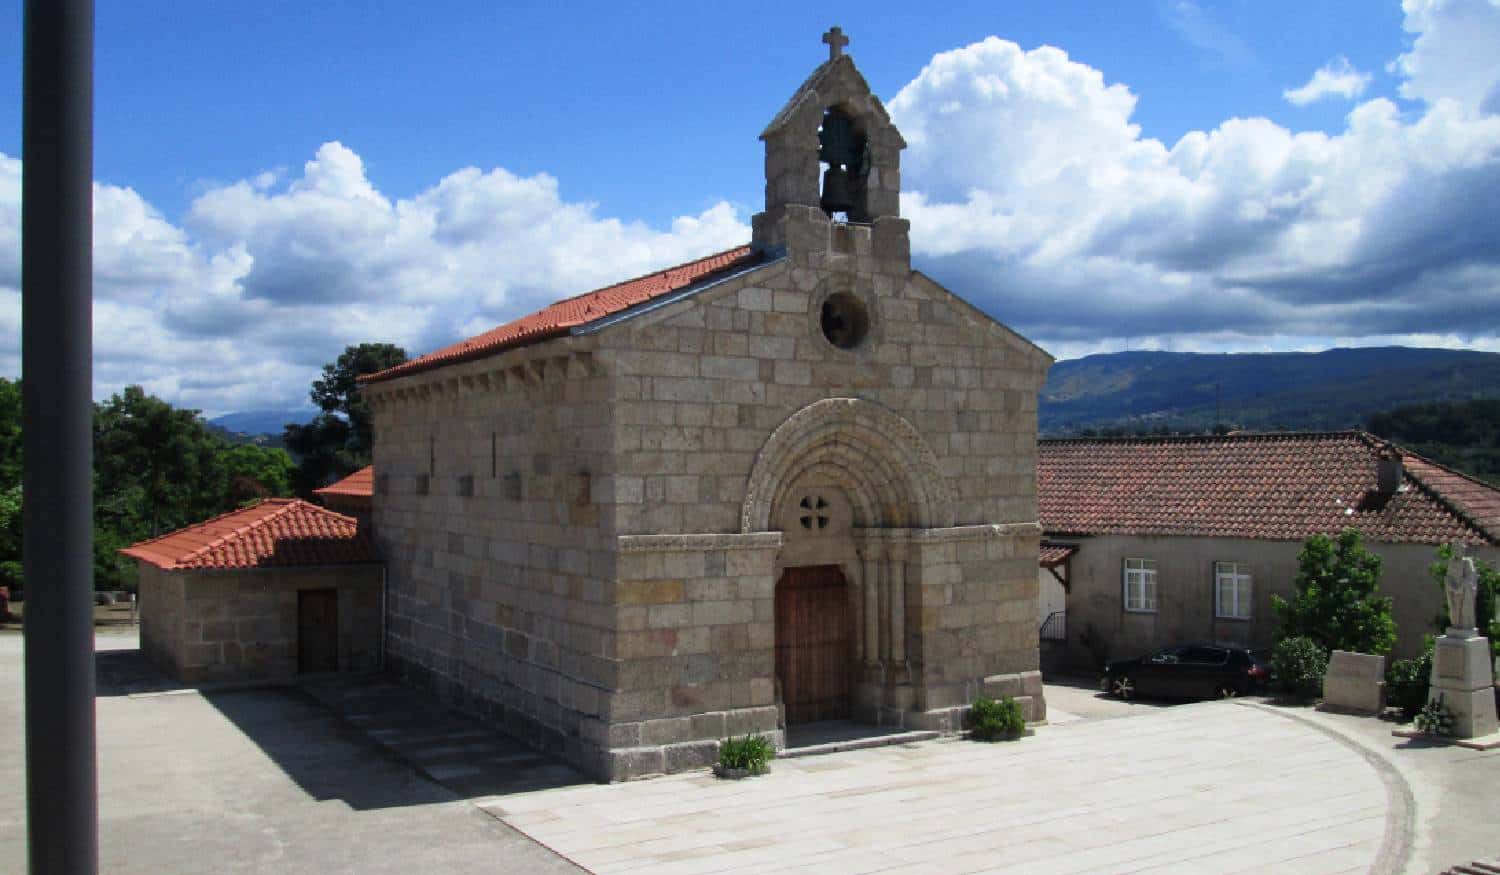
[790,482]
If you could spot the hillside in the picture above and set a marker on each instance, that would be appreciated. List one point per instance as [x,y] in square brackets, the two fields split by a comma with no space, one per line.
[252,423]
[1463,435]
[1335,389]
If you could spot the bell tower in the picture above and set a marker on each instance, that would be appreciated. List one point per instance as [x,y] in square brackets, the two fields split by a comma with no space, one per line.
[833,160]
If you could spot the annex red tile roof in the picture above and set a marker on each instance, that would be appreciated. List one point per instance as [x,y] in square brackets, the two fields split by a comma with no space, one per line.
[275,532]
[360,484]
[1053,555]
[556,319]
[1273,486]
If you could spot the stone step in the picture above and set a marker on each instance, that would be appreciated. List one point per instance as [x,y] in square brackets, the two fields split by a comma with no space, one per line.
[812,750]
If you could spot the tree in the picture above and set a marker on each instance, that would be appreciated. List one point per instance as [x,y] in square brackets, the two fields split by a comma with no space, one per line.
[1336,603]
[340,439]
[10,483]
[254,472]
[157,468]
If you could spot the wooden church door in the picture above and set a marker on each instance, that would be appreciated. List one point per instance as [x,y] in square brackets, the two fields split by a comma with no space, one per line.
[813,643]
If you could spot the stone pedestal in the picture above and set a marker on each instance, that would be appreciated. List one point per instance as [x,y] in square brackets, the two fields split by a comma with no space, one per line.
[1355,682]
[1461,675]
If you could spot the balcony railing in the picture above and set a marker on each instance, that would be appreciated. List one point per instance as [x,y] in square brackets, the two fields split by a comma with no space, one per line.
[1055,627]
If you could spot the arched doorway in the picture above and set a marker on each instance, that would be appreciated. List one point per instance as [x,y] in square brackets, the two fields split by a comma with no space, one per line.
[846,481]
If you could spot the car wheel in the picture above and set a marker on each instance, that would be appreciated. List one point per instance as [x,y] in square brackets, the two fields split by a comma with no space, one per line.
[1123,687]
[1228,691]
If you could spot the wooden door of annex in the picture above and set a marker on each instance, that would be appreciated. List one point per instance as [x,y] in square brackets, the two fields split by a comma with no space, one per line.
[317,630]
[813,643]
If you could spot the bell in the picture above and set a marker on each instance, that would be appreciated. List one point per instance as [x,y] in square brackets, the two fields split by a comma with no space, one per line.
[837,142]
[838,193]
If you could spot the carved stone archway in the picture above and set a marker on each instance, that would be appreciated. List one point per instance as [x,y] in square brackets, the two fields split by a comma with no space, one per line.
[893,476]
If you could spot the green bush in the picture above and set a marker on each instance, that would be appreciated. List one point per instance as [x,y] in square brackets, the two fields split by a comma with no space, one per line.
[753,753]
[1297,667]
[997,721]
[1406,683]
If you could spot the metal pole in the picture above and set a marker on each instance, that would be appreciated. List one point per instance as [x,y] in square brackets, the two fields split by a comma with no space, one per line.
[57,421]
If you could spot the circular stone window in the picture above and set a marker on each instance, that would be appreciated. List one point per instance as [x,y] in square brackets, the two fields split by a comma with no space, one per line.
[844,320]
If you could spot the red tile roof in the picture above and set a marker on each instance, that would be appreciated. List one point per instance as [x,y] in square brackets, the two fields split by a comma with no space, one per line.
[1477,501]
[1053,555]
[1274,486]
[360,484]
[556,319]
[275,532]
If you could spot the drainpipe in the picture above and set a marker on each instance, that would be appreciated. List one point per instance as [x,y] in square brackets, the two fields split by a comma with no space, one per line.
[382,616]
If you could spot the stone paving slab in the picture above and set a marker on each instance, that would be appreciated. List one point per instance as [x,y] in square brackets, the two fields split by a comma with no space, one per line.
[1213,787]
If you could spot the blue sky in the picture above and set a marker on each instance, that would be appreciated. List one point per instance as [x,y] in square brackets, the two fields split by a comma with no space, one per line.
[279,179]
[193,94]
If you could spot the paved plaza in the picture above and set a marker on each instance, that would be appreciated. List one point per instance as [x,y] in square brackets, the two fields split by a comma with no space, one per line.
[358,774]
[1212,787]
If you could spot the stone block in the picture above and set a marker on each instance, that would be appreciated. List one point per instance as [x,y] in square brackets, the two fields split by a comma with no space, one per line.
[691,755]
[741,721]
[1355,682]
[670,730]
[633,762]
[710,725]
[1000,685]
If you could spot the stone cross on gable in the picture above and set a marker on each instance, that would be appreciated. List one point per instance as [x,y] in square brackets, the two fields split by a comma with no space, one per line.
[836,41]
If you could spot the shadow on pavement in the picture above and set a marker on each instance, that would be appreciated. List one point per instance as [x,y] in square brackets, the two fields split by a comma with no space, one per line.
[323,756]
[323,730]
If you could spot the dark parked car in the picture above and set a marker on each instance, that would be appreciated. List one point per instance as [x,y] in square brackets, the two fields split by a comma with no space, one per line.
[1193,671]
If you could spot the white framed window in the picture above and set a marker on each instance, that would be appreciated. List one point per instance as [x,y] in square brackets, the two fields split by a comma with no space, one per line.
[1232,590]
[1140,585]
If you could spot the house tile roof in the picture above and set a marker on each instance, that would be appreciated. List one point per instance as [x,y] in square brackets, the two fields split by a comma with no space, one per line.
[1273,486]
[360,484]
[555,320]
[274,532]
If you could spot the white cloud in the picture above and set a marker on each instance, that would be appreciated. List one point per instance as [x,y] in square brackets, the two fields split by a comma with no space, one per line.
[1031,191]
[1454,55]
[1337,78]
[268,278]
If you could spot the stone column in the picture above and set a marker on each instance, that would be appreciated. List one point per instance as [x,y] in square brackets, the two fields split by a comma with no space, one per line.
[897,596]
[873,648]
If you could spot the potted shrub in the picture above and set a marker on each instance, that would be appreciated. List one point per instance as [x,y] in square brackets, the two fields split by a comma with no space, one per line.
[744,757]
[996,721]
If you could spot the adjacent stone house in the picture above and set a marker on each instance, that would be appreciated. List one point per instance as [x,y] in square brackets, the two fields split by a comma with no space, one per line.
[264,593]
[1169,540]
[788,482]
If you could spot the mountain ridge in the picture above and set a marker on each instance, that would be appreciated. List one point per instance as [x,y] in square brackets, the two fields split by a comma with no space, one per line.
[1288,391]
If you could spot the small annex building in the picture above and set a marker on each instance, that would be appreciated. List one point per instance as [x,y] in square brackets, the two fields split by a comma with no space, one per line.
[271,591]
[788,482]
[1157,541]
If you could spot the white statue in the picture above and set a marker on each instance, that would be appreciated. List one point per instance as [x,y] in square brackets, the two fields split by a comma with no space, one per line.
[1462,585]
